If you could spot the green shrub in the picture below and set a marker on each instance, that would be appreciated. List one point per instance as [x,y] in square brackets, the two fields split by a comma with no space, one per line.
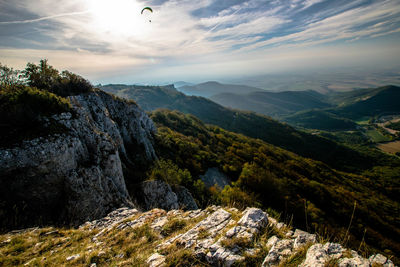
[45,77]
[22,108]
[166,170]
[235,197]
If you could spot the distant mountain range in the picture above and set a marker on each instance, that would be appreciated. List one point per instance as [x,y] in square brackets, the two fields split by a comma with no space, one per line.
[349,106]
[247,123]
[368,102]
[209,89]
[182,83]
[308,109]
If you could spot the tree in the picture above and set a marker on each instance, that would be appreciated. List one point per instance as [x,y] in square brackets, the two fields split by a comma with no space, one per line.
[9,76]
[45,77]
[42,76]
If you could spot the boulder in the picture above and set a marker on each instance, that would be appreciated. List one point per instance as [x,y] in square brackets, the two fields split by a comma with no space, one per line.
[158,194]
[185,198]
[318,254]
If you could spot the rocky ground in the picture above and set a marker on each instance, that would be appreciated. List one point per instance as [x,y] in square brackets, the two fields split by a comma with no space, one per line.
[214,236]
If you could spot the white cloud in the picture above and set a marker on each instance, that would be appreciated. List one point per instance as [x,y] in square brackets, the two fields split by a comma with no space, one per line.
[341,26]
[116,38]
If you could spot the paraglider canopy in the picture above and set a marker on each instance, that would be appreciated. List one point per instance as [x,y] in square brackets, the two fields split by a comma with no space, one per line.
[148,8]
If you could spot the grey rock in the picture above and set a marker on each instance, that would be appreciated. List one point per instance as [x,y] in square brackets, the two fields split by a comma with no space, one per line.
[158,194]
[144,218]
[112,218]
[212,224]
[381,260]
[254,219]
[272,241]
[302,238]
[73,257]
[354,261]
[214,177]
[318,254]
[77,176]
[185,198]
[280,250]
[156,260]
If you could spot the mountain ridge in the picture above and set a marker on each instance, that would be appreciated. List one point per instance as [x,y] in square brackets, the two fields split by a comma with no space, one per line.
[251,124]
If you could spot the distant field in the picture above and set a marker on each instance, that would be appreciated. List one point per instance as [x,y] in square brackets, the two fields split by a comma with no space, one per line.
[376,136]
[391,147]
[363,121]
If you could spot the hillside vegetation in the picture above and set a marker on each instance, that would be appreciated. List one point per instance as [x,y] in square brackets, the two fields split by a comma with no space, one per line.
[26,97]
[375,102]
[254,125]
[317,196]
[319,119]
[394,126]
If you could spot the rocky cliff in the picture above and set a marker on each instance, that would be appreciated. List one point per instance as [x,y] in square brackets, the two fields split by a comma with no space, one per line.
[77,175]
[215,236]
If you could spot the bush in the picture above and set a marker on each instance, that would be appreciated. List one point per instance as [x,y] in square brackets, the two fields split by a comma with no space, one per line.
[21,109]
[45,77]
[234,196]
[166,170]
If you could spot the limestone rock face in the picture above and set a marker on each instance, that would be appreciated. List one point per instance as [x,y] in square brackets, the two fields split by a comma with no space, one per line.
[185,198]
[219,236]
[159,194]
[75,176]
[318,254]
[214,177]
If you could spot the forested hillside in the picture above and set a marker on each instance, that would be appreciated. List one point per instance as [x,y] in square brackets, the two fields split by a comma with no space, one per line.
[317,196]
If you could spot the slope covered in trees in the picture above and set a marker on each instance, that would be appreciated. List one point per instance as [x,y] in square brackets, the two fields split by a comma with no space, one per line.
[319,119]
[374,102]
[317,196]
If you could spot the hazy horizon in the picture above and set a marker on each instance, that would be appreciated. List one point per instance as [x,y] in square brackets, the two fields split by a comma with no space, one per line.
[228,41]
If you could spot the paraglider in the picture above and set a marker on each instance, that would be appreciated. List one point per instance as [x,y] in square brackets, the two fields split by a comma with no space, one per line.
[147,8]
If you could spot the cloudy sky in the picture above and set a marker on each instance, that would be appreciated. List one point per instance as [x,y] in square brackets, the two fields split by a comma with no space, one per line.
[111,41]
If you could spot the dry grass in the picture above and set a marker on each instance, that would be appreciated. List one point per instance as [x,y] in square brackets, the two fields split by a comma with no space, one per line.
[391,147]
[297,258]
[172,226]
[114,247]
[236,242]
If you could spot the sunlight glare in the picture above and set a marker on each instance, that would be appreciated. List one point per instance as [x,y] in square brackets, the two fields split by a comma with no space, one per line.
[119,17]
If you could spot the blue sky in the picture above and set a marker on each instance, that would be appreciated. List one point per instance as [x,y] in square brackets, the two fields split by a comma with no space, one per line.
[110,41]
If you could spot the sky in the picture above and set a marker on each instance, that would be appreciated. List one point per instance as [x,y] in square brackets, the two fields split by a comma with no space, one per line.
[110,41]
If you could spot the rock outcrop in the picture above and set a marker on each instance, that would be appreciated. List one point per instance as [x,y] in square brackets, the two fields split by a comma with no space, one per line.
[159,194]
[220,236]
[75,176]
[215,236]
[214,177]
